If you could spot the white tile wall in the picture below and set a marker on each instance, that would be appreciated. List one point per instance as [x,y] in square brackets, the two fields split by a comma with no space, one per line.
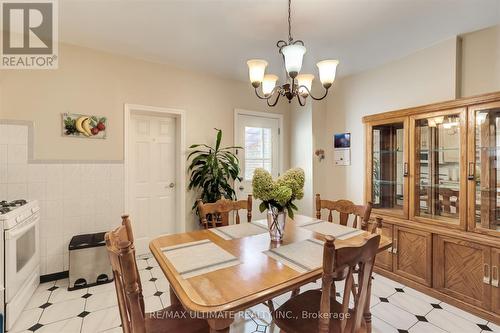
[74,198]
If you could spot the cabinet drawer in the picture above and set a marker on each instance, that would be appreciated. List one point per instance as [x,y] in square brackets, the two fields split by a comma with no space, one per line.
[413,254]
[460,268]
[384,259]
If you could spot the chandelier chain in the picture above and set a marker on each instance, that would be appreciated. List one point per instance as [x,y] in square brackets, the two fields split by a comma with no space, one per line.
[290,21]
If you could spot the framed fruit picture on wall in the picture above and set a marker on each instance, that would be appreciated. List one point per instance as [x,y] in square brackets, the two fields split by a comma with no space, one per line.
[84,126]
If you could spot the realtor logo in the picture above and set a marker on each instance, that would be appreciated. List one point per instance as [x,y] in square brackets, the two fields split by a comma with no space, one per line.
[29,34]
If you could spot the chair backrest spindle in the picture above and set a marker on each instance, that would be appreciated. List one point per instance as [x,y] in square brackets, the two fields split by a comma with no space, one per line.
[121,251]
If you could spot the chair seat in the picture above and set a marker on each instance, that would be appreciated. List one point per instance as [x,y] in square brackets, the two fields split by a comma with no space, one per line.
[174,319]
[290,316]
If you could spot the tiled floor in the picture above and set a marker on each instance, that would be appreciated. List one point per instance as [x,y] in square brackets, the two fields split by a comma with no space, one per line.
[395,308]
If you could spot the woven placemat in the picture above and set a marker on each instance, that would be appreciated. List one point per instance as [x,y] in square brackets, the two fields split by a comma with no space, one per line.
[333,229]
[303,256]
[200,257]
[240,230]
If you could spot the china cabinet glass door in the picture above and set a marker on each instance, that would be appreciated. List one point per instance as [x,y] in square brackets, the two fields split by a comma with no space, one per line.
[438,144]
[484,176]
[389,167]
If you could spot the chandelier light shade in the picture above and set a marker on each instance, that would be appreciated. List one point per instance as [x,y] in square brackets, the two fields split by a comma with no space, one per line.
[293,54]
[296,85]
[256,70]
[327,71]
[269,83]
[305,83]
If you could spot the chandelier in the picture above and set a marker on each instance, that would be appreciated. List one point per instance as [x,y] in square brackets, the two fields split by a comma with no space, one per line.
[296,85]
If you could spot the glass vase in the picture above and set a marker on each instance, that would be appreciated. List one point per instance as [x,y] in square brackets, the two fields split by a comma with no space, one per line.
[276,224]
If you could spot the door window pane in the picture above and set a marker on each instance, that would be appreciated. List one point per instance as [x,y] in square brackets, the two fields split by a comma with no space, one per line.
[487,169]
[258,150]
[437,168]
[388,167]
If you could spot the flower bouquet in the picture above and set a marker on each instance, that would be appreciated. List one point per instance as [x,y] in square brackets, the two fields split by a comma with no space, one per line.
[278,196]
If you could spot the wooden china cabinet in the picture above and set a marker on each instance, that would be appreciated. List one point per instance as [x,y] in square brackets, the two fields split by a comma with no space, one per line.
[432,173]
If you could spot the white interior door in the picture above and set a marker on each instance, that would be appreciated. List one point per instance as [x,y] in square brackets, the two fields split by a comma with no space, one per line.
[259,136]
[152,178]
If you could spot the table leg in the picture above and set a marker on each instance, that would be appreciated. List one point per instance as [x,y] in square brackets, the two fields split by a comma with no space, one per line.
[173,297]
[219,325]
[367,315]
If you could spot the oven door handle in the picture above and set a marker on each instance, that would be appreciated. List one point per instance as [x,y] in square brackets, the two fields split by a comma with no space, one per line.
[22,228]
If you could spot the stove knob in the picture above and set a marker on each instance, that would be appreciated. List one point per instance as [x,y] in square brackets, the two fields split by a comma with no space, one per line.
[18,218]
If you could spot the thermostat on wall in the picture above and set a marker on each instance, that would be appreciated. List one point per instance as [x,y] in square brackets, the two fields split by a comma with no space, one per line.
[342,156]
[342,148]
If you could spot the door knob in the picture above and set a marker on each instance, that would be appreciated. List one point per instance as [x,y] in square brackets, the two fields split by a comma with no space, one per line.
[171,185]
[241,188]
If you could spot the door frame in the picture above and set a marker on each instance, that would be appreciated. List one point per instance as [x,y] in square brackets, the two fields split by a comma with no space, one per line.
[279,116]
[180,180]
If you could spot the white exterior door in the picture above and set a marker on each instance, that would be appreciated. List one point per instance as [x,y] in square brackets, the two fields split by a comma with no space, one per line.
[152,177]
[259,135]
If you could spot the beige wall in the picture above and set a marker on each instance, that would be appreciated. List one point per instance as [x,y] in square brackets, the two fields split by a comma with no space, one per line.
[481,61]
[301,145]
[423,77]
[442,72]
[93,82]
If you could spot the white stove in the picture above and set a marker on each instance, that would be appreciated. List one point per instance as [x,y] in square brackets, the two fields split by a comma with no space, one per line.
[16,211]
[19,223]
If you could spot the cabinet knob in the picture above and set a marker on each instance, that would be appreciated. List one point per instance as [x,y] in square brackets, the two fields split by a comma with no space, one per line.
[494,276]
[470,175]
[486,274]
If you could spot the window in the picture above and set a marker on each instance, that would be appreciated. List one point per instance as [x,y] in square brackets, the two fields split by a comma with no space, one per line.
[258,150]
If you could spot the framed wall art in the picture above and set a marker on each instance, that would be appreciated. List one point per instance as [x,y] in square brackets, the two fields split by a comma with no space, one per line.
[84,126]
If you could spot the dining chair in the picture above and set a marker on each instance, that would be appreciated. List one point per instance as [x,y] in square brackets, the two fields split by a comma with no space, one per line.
[319,310]
[374,226]
[121,251]
[345,208]
[221,209]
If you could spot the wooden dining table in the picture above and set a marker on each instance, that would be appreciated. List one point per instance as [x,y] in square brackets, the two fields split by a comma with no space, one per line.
[256,279]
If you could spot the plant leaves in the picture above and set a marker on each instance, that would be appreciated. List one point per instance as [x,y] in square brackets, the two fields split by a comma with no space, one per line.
[213,171]
[219,139]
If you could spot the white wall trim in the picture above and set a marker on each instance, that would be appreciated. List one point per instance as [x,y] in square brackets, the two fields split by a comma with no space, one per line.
[180,116]
[279,116]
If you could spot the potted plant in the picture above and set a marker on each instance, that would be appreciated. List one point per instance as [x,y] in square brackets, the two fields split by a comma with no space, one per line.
[278,197]
[213,170]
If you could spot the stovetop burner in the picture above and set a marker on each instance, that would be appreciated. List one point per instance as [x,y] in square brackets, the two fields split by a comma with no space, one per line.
[4,210]
[7,206]
[13,203]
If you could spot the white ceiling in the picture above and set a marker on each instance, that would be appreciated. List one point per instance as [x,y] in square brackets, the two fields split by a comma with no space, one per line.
[219,36]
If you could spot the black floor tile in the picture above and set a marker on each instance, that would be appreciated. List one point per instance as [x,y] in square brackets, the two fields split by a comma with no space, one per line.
[485,328]
[83,314]
[46,305]
[35,327]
